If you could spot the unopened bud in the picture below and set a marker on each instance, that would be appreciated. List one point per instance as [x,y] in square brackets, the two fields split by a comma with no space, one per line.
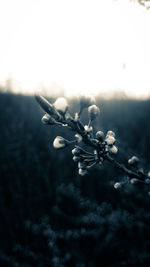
[61,104]
[148,174]
[59,142]
[93,111]
[133,161]
[47,119]
[117,185]
[134,181]
[110,140]
[100,135]
[78,138]
[82,172]
[113,149]
[110,133]
[88,128]
[76,158]
[76,151]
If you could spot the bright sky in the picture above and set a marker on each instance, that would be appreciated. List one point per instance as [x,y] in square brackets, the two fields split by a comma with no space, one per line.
[86,46]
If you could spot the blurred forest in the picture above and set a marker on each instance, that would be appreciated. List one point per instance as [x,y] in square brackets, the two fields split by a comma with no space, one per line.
[51,216]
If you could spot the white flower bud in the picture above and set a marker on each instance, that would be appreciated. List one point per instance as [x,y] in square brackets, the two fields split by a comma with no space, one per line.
[61,104]
[110,140]
[133,161]
[113,149]
[76,151]
[88,128]
[93,111]
[76,159]
[134,181]
[47,119]
[110,133]
[148,174]
[117,185]
[59,142]
[78,138]
[100,135]
[82,172]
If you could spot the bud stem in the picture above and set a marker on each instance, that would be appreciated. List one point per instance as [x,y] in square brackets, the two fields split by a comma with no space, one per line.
[89,123]
[124,169]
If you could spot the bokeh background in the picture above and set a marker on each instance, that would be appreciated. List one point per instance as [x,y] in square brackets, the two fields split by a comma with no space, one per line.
[49,215]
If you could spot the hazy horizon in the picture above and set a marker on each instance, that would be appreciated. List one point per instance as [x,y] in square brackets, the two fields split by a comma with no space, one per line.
[86,47]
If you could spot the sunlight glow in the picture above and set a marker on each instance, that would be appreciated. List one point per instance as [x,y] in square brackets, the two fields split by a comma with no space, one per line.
[83,46]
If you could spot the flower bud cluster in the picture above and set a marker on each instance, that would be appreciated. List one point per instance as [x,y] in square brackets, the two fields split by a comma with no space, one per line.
[103,145]
[140,176]
[110,142]
[84,159]
[106,144]
[134,161]
[57,113]
[54,112]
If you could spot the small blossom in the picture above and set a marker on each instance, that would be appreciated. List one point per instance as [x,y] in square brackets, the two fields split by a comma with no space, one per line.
[82,172]
[47,119]
[113,149]
[110,140]
[93,111]
[117,185]
[134,181]
[88,128]
[59,142]
[61,104]
[76,158]
[78,138]
[133,161]
[148,174]
[100,135]
[76,151]
[110,133]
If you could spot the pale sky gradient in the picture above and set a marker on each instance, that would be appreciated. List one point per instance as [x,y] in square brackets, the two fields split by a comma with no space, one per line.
[86,46]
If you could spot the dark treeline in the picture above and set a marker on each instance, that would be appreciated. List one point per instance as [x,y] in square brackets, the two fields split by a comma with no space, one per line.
[51,216]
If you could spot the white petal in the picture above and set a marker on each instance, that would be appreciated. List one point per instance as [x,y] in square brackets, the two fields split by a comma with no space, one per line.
[59,142]
[61,104]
